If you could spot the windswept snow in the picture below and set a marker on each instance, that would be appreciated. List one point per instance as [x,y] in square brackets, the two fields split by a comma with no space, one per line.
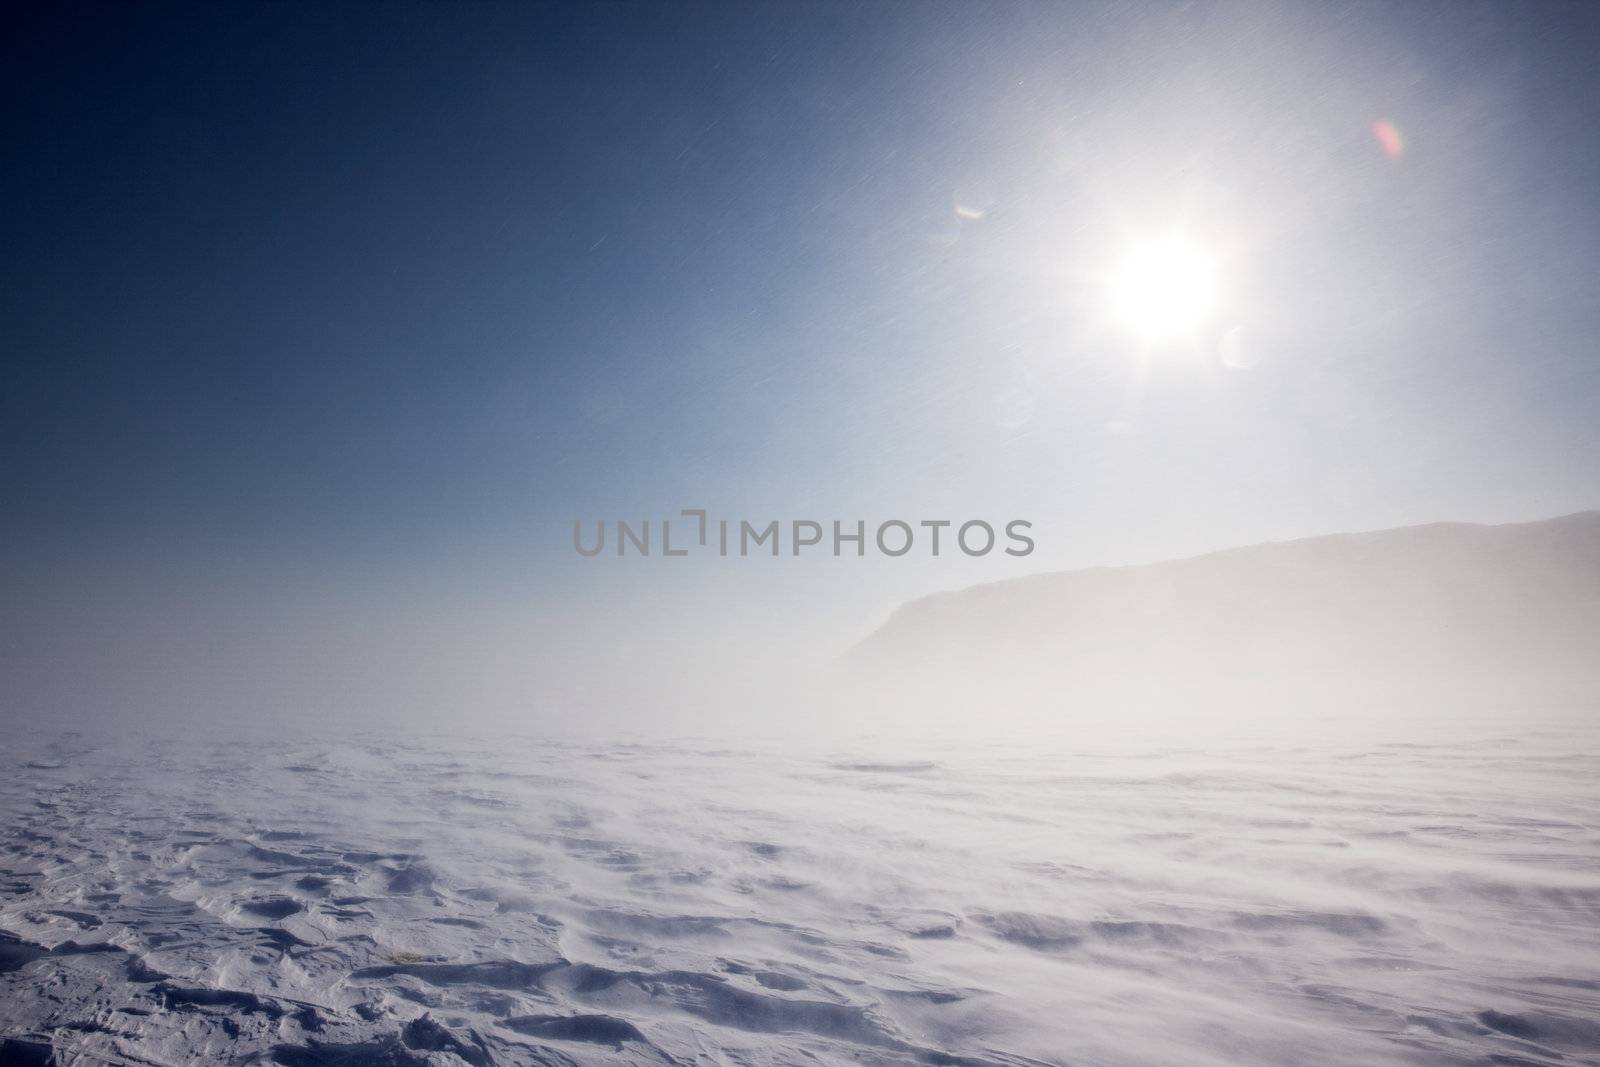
[381,901]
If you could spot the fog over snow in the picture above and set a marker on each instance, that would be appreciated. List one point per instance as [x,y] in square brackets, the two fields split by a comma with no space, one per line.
[1135,867]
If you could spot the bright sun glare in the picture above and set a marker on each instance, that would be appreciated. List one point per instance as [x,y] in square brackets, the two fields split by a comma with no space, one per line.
[1165,288]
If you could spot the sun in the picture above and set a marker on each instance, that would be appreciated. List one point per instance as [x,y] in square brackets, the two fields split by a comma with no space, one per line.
[1165,288]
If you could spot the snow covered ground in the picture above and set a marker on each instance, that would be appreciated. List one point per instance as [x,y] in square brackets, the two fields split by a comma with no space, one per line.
[517,901]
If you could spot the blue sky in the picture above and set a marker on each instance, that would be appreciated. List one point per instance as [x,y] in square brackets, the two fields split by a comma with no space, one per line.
[315,311]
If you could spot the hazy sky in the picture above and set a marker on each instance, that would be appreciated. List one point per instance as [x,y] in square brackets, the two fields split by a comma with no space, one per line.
[323,323]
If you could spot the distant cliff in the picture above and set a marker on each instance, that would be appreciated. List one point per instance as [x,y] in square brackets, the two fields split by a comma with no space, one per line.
[1449,612]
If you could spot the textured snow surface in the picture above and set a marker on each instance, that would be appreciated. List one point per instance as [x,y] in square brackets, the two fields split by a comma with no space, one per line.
[499,901]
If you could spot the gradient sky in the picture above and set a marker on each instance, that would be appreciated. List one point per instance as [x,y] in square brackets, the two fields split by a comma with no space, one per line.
[323,323]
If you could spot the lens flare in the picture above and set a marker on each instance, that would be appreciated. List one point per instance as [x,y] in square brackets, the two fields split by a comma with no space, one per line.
[1389,138]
